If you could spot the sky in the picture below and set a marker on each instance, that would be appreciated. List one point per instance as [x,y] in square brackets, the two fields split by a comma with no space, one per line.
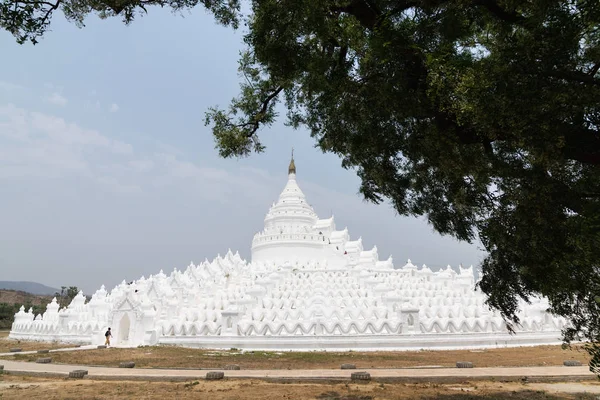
[107,171]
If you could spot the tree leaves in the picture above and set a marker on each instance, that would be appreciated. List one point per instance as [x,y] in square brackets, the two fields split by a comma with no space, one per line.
[482,115]
[28,20]
[236,136]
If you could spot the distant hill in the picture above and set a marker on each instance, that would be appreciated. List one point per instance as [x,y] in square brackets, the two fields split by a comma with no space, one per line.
[23,298]
[11,301]
[29,287]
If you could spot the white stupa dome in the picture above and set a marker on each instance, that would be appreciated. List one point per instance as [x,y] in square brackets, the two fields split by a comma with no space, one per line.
[307,286]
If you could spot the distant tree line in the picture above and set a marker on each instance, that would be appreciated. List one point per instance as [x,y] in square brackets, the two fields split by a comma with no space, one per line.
[8,310]
[66,295]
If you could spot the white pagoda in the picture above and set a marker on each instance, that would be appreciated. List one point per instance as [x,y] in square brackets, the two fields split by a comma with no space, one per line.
[308,286]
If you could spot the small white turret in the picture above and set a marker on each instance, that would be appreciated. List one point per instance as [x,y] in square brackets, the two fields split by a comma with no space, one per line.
[305,279]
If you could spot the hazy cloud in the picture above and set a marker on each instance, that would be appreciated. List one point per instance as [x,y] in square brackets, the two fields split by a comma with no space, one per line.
[57,99]
[39,144]
[8,86]
[115,185]
[84,204]
[141,165]
[113,108]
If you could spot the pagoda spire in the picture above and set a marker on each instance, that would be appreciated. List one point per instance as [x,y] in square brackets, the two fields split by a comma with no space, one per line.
[292,167]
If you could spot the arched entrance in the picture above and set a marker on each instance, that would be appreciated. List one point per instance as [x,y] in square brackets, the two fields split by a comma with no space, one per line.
[124,327]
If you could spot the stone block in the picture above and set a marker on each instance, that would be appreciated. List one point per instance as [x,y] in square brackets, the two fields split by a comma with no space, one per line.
[45,360]
[572,363]
[360,376]
[15,350]
[127,364]
[214,375]
[464,364]
[85,371]
[232,367]
[348,366]
[43,351]
[77,374]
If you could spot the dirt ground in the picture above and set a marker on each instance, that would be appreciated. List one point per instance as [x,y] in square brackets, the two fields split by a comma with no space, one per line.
[13,387]
[179,357]
[6,344]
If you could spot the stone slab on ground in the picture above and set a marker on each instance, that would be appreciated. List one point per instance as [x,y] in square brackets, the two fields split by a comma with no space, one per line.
[84,371]
[445,375]
[572,363]
[77,374]
[214,375]
[360,376]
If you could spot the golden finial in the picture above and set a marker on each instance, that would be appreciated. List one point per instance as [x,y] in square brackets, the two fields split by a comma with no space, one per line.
[292,167]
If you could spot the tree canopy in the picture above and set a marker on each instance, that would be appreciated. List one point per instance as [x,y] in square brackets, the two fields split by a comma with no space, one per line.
[66,295]
[482,115]
[28,20]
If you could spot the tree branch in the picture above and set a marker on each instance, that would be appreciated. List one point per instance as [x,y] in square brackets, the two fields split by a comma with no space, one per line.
[574,76]
[257,117]
[363,10]
[50,10]
[495,9]
[53,5]
[581,144]
[402,6]
[370,16]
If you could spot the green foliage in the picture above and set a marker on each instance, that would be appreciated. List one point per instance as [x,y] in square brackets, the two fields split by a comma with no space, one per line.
[28,20]
[66,295]
[8,311]
[482,115]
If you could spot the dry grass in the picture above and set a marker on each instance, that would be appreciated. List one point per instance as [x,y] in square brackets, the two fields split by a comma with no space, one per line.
[179,357]
[19,297]
[6,344]
[12,387]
